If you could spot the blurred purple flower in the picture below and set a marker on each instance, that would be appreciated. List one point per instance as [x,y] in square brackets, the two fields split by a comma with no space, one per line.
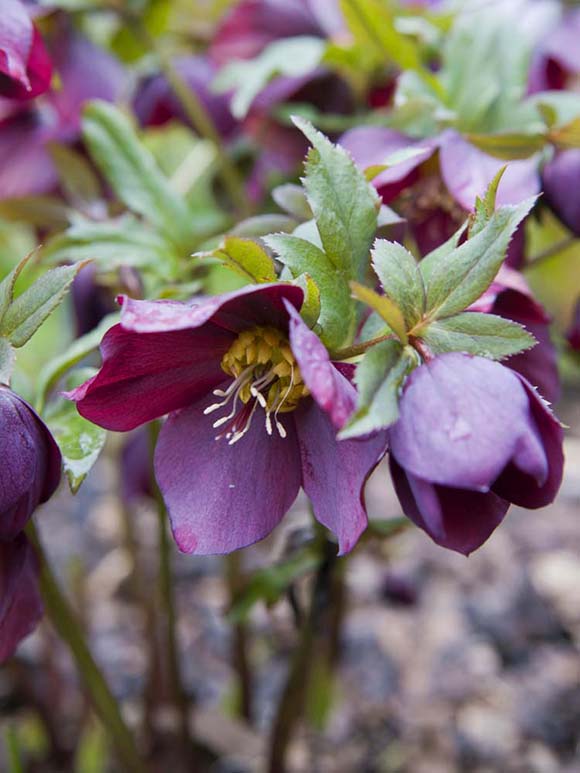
[560,179]
[472,437]
[279,400]
[86,72]
[509,296]
[137,473]
[31,469]
[156,103]
[436,189]
[573,334]
[556,60]
[25,67]
[20,604]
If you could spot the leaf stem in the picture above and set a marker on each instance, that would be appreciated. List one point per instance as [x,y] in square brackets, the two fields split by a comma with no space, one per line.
[240,658]
[357,349]
[65,622]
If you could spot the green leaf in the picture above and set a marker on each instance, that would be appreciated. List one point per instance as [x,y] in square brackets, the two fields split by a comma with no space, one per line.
[509,145]
[112,244]
[485,207]
[271,583]
[292,199]
[400,278]
[337,310]
[247,259]
[379,378]
[310,310]
[567,136]
[292,57]
[473,332]
[27,313]
[261,225]
[47,212]
[7,285]
[79,440]
[79,182]
[7,357]
[384,306]
[433,259]
[54,370]
[460,277]
[132,172]
[344,204]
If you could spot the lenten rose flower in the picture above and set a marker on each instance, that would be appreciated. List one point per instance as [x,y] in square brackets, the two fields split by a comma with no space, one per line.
[20,604]
[31,463]
[472,437]
[253,402]
[560,183]
[25,67]
[556,60]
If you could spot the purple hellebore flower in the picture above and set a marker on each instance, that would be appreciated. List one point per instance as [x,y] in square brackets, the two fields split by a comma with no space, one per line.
[156,103]
[31,469]
[573,334]
[436,198]
[472,437]
[25,67]
[556,60]
[253,403]
[20,604]
[510,297]
[560,179]
[85,72]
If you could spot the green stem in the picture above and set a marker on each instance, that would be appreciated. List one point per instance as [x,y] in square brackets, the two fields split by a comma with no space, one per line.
[291,705]
[198,116]
[168,611]
[67,626]
[550,252]
[357,349]
[240,658]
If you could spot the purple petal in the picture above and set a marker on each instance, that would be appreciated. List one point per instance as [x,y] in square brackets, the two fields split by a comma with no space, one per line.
[25,164]
[454,518]
[156,102]
[136,467]
[519,483]
[234,312]
[334,473]
[462,420]
[221,498]
[372,145]
[251,25]
[145,376]
[467,171]
[31,468]
[332,391]
[25,68]
[560,181]
[573,334]
[20,604]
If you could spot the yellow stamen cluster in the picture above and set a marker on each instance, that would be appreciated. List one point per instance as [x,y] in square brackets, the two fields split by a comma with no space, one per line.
[265,353]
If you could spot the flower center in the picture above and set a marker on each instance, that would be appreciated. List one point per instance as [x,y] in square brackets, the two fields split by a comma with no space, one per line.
[266,375]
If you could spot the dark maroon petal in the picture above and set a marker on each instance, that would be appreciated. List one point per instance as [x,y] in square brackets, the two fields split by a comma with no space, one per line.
[221,498]
[516,483]
[462,420]
[561,190]
[454,518]
[573,334]
[20,604]
[251,25]
[372,145]
[234,312]
[433,228]
[467,171]
[334,473]
[156,102]
[31,468]
[25,68]
[332,391]
[146,375]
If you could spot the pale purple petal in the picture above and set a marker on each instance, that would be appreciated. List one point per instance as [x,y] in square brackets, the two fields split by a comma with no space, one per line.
[454,518]
[560,179]
[20,604]
[25,164]
[462,419]
[25,68]
[332,391]
[221,498]
[334,473]
[467,171]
